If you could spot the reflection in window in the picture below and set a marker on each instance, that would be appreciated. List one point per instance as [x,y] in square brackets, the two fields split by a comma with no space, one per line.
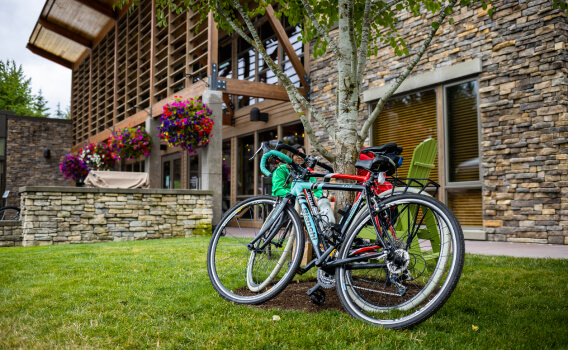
[293,134]
[463,145]
[271,138]
[408,120]
[226,169]
[194,179]
[245,167]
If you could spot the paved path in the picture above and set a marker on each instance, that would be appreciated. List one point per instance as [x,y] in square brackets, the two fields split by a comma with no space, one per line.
[530,250]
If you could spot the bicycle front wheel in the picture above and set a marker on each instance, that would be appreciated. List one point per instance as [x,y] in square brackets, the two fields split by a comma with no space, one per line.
[10,213]
[247,273]
[405,288]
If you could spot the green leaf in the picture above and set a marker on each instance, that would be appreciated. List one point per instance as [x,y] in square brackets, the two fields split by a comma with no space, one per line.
[451,21]
[435,25]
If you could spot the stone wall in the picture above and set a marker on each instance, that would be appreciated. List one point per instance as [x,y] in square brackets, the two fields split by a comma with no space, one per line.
[63,215]
[10,233]
[523,107]
[28,137]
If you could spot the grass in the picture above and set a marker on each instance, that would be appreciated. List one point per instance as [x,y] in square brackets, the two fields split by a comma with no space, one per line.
[156,294]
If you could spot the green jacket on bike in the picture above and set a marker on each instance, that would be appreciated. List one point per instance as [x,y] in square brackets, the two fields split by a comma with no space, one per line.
[279,178]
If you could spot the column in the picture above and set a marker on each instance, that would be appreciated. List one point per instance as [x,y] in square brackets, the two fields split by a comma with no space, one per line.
[153,163]
[211,166]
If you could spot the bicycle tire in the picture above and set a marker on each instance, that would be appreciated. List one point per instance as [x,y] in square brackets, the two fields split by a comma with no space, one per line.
[229,258]
[10,213]
[431,249]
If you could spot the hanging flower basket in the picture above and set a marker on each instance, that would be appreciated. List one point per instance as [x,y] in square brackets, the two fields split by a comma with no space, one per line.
[186,124]
[98,156]
[72,167]
[130,143]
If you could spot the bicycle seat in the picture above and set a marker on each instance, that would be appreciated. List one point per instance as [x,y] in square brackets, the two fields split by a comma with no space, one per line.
[382,162]
[386,148]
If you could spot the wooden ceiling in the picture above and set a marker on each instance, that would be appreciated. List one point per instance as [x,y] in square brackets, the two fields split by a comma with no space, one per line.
[67,29]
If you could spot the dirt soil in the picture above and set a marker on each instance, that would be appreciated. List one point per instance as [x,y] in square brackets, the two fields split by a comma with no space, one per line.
[294,297]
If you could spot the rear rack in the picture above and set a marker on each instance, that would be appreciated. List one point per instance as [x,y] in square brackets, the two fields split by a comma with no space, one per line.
[422,184]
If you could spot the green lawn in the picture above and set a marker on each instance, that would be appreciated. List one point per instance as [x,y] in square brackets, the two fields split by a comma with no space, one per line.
[151,294]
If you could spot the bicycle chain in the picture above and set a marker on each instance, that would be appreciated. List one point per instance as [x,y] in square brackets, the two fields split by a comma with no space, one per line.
[326,280]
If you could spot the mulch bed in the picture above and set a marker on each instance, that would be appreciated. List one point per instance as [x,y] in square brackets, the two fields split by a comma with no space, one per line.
[294,297]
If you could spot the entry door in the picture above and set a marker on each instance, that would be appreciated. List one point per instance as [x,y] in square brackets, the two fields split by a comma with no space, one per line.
[171,171]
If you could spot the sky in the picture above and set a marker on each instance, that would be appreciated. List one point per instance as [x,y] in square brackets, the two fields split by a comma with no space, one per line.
[17,20]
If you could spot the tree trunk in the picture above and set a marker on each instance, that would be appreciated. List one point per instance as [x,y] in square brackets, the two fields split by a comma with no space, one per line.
[347,154]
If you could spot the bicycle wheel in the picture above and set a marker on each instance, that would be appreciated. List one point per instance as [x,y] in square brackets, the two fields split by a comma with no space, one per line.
[10,213]
[404,289]
[253,275]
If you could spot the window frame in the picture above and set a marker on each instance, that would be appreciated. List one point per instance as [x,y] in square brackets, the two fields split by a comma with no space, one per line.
[460,184]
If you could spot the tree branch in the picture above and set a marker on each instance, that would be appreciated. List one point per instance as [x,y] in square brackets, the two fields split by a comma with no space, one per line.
[353,39]
[384,9]
[321,31]
[394,86]
[293,93]
[364,45]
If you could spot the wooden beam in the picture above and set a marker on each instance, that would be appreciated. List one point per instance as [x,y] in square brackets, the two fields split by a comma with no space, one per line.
[50,56]
[212,43]
[286,45]
[64,32]
[100,8]
[255,89]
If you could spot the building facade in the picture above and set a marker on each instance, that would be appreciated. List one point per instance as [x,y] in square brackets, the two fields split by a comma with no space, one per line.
[491,90]
[30,149]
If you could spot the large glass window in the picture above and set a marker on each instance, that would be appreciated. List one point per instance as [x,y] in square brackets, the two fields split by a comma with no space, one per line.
[226,168]
[412,118]
[408,120]
[462,150]
[171,171]
[193,173]
[294,33]
[245,167]
[293,134]
[462,131]
[271,138]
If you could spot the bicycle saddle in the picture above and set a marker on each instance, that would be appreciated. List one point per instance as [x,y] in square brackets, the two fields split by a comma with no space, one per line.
[386,148]
[382,162]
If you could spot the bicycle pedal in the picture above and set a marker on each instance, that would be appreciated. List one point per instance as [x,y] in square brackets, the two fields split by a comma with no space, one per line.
[318,297]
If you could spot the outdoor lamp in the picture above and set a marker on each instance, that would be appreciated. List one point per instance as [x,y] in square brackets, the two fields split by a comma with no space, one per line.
[256,116]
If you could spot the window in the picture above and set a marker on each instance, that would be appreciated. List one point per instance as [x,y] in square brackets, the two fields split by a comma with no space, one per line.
[245,166]
[226,171]
[293,134]
[250,65]
[409,119]
[193,173]
[171,171]
[462,152]
[269,136]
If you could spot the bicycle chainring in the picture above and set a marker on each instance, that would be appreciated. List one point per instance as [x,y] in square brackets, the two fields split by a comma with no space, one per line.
[326,280]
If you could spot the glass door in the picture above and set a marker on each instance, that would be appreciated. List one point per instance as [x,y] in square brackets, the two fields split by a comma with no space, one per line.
[171,171]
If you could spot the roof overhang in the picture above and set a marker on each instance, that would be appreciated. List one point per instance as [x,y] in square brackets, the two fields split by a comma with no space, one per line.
[67,30]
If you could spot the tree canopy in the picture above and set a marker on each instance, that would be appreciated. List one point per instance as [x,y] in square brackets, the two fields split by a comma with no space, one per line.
[16,92]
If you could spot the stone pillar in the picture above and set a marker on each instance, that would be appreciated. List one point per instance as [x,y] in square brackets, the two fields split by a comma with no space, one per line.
[153,163]
[211,166]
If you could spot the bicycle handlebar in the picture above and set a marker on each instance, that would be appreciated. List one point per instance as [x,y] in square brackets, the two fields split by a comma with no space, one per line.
[282,145]
[278,154]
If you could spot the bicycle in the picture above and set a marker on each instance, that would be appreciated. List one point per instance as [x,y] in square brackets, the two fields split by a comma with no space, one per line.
[397,278]
[10,213]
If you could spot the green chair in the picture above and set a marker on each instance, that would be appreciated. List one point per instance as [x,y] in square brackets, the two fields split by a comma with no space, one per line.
[420,166]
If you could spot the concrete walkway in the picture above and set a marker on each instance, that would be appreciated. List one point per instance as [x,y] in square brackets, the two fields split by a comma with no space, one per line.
[529,250]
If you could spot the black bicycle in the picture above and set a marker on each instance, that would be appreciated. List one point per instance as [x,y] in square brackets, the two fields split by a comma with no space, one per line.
[395,266]
[9,213]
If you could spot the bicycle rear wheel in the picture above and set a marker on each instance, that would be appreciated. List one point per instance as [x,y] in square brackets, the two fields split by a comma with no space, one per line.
[404,289]
[250,274]
[10,213]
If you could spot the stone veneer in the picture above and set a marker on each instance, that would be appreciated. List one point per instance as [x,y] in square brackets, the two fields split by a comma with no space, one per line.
[10,233]
[26,165]
[63,215]
[523,90]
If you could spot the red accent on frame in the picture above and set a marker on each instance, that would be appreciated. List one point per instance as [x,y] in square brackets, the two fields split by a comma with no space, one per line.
[365,249]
